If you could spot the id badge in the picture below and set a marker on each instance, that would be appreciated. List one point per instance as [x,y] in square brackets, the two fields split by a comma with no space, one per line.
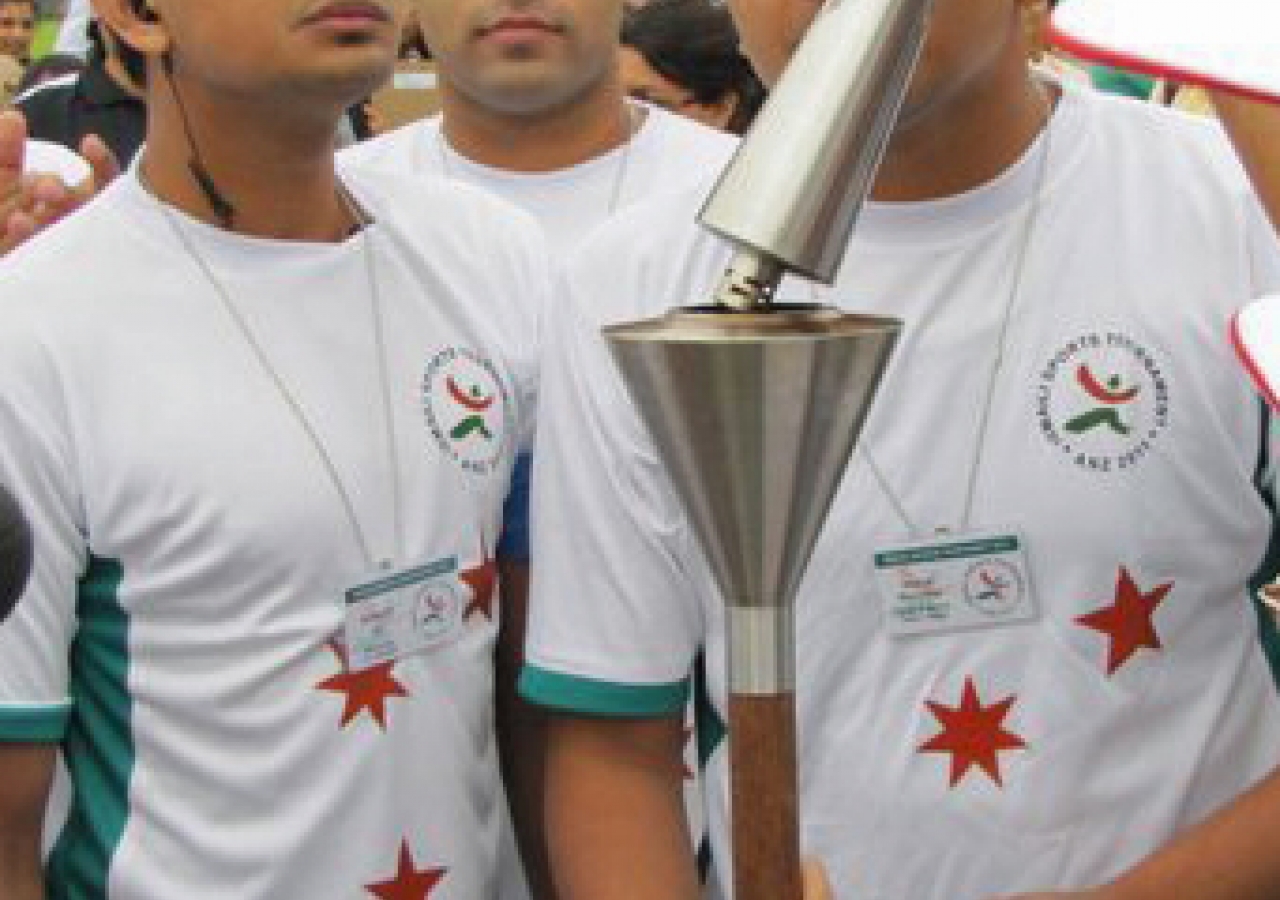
[955,582]
[394,613]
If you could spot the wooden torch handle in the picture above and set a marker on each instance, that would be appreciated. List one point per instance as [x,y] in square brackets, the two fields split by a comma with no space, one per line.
[762,763]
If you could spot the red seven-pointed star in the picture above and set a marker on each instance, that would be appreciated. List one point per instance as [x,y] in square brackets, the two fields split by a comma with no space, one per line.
[409,883]
[482,580]
[1128,620]
[368,689]
[972,734]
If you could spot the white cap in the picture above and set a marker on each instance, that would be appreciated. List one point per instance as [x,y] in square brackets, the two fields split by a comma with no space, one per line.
[1225,44]
[1255,332]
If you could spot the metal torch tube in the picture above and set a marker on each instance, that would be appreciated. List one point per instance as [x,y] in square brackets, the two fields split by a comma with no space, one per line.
[762,753]
[796,185]
[750,282]
[762,650]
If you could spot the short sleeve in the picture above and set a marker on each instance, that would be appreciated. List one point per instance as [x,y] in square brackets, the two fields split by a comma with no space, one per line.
[36,464]
[1264,249]
[615,616]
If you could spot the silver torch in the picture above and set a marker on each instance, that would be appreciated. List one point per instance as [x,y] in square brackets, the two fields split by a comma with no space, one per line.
[755,406]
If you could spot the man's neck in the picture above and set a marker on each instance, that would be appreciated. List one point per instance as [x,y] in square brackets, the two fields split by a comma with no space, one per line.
[976,138]
[277,175]
[539,142]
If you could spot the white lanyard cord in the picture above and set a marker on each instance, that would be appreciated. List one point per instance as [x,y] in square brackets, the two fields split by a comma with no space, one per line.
[322,452]
[1015,290]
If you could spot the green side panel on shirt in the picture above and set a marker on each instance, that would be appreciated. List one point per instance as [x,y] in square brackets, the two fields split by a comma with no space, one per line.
[1268,634]
[34,724]
[1264,479]
[710,726]
[98,747]
[711,732]
[1119,81]
[602,698]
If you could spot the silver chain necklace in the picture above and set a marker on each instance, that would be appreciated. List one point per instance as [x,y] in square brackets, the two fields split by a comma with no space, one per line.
[1032,219]
[291,401]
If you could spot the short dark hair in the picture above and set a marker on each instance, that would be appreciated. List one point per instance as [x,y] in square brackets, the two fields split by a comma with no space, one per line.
[695,45]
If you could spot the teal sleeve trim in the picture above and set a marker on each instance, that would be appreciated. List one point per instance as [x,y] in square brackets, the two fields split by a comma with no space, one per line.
[603,698]
[34,724]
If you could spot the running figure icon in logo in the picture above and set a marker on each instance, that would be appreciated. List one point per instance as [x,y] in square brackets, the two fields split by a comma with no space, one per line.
[1112,395]
[993,586]
[468,409]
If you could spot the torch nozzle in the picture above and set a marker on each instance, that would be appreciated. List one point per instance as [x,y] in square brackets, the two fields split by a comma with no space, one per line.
[750,282]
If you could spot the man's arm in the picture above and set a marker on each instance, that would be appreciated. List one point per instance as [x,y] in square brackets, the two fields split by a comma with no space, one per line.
[615,812]
[1232,856]
[24,790]
[1255,130]
[615,809]
[521,733]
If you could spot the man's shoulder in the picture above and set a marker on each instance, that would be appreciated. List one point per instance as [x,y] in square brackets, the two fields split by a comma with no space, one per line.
[400,149]
[1154,131]
[428,207]
[96,233]
[687,144]
[649,257]
[460,242]
[56,296]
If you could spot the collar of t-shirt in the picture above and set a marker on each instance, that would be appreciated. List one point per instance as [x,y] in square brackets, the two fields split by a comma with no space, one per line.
[953,217]
[225,252]
[646,136]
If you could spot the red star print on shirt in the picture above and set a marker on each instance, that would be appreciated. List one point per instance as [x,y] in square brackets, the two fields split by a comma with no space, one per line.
[365,690]
[410,883]
[482,580]
[1128,621]
[973,734]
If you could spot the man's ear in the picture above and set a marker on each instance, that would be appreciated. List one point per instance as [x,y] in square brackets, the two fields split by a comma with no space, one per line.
[136,23]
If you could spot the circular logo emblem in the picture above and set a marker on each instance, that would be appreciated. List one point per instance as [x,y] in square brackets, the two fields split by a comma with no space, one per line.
[437,611]
[1103,402]
[993,586]
[467,409]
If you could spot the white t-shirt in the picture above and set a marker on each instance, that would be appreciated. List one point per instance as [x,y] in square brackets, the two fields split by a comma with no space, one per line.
[180,633]
[965,765]
[667,152]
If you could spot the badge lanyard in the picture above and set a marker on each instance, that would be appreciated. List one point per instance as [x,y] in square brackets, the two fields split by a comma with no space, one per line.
[1032,220]
[295,408]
